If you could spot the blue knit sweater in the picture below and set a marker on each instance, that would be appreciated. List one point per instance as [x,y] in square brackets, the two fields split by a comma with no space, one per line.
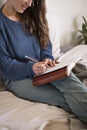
[15,43]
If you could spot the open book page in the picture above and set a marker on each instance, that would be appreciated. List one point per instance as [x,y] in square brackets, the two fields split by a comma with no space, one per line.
[64,63]
[70,57]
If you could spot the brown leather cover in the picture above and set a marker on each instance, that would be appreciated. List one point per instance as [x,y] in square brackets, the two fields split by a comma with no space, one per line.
[49,77]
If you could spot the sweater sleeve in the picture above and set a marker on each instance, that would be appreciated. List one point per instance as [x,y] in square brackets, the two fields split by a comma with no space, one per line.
[46,53]
[13,69]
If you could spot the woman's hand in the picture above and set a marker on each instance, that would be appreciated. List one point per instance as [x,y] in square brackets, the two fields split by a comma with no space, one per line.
[49,62]
[39,68]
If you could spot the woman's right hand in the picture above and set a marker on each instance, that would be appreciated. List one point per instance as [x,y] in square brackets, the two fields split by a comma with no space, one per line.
[39,68]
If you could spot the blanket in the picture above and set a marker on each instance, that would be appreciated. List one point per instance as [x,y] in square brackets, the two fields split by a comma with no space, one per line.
[80,69]
[19,114]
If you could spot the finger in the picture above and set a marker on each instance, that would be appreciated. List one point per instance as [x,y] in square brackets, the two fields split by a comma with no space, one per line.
[56,62]
[40,72]
[51,63]
[42,69]
[46,63]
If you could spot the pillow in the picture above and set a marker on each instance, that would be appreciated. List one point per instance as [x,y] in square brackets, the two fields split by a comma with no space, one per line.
[54,33]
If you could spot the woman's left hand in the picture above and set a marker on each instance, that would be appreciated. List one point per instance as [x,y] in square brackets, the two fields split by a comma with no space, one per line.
[49,62]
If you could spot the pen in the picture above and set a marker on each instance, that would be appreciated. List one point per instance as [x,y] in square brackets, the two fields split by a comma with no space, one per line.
[31,59]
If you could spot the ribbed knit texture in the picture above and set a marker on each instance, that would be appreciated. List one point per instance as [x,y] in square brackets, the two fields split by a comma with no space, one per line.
[15,43]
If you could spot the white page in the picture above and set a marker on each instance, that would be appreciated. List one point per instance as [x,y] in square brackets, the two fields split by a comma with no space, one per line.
[71,56]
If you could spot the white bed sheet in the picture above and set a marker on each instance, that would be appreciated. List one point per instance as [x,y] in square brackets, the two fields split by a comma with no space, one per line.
[19,114]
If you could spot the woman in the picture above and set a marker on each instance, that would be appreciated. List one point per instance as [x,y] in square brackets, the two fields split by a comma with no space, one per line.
[24,32]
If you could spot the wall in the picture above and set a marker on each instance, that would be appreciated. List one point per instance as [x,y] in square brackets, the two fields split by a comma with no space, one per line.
[69,15]
[2,2]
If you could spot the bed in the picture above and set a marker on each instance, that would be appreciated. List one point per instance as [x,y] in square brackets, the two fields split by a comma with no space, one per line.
[20,114]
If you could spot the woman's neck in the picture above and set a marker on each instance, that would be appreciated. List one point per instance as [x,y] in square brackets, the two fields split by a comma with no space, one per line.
[9,12]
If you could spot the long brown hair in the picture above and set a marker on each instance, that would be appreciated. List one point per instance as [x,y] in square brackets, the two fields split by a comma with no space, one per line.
[34,20]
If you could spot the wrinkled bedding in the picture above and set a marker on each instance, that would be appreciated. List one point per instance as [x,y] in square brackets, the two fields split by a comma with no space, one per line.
[19,114]
[80,69]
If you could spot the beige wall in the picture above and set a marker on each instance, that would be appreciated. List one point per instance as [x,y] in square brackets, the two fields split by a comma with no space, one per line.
[69,15]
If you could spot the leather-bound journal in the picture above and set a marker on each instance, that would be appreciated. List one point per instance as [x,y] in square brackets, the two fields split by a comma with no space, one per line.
[49,77]
[61,70]
[53,75]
